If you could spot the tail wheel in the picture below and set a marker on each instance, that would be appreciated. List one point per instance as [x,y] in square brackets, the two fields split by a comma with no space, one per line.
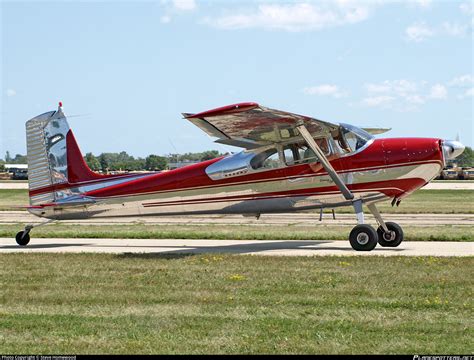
[22,239]
[363,237]
[393,237]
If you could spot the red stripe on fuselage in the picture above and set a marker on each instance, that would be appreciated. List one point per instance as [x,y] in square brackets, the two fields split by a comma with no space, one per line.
[389,188]
[194,176]
[68,185]
[382,153]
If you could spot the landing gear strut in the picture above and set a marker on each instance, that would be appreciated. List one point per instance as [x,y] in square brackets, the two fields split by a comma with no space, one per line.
[364,237]
[23,237]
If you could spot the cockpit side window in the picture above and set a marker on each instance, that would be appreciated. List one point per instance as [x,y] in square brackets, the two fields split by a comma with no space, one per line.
[291,154]
[268,159]
[300,153]
[350,138]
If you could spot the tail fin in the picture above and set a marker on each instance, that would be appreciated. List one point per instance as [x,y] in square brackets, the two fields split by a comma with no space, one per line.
[54,158]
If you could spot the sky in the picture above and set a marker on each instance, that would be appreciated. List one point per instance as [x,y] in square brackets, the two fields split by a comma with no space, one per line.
[126,70]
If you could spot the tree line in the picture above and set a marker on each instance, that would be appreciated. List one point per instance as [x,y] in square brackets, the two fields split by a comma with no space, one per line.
[124,162]
[466,159]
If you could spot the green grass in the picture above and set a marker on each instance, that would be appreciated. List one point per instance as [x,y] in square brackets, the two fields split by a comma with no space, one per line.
[422,201]
[12,198]
[453,181]
[434,201]
[102,303]
[237,232]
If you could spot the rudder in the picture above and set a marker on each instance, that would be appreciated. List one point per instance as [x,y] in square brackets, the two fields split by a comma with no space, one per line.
[54,158]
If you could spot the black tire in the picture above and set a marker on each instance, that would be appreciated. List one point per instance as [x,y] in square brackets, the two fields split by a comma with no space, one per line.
[363,237]
[22,240]
[394,238]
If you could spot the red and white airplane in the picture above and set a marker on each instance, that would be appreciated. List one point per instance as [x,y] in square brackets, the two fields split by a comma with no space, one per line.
[290,162]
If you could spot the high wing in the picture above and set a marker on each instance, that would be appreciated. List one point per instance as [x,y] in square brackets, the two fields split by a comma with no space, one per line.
[249,125]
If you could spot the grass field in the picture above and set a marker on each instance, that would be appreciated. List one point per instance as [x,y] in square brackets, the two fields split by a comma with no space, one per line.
[233,232]
[434,201]
[14,181]
[422,201]
[96,303]
[12,198]
[453,181]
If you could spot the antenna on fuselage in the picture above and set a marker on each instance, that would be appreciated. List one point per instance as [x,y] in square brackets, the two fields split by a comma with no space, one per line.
[175,151]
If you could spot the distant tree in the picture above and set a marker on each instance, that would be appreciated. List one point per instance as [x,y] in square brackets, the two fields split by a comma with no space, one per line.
[92,162]
[173,157]
[18,159]
[189,157]
[200,156]
[138,164]
[155,162]
[466,159]
[130,165]
[124,162]
[110,161]
[104,162]
[210,154]
[123,157]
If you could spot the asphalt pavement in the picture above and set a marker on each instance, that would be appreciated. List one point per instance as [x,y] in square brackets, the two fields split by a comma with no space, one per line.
[249,247]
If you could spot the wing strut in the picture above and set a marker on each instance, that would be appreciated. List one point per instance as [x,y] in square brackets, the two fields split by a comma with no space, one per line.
[324,161]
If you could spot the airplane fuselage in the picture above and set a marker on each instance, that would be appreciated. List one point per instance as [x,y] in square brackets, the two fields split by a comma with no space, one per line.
[390,168]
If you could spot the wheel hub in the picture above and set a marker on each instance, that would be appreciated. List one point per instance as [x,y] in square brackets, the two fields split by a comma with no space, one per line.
[362,238]
[389,236]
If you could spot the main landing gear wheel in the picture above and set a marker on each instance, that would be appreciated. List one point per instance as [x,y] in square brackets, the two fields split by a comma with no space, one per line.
[391,239]
[22,239]
[363,237]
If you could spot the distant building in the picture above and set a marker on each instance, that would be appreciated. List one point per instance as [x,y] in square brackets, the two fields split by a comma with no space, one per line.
[12,167]
[20,174]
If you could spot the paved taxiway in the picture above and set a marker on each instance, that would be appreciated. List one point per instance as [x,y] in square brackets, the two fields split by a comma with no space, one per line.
[253,247]
[293,219]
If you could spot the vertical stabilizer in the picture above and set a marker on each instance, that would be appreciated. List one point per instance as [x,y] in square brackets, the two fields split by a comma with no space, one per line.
[54,158]
[46,152]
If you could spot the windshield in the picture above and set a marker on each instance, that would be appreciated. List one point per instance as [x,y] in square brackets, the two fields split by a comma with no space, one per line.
[352,138]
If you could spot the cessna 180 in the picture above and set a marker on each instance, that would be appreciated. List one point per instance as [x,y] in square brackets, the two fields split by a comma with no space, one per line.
[289,163]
